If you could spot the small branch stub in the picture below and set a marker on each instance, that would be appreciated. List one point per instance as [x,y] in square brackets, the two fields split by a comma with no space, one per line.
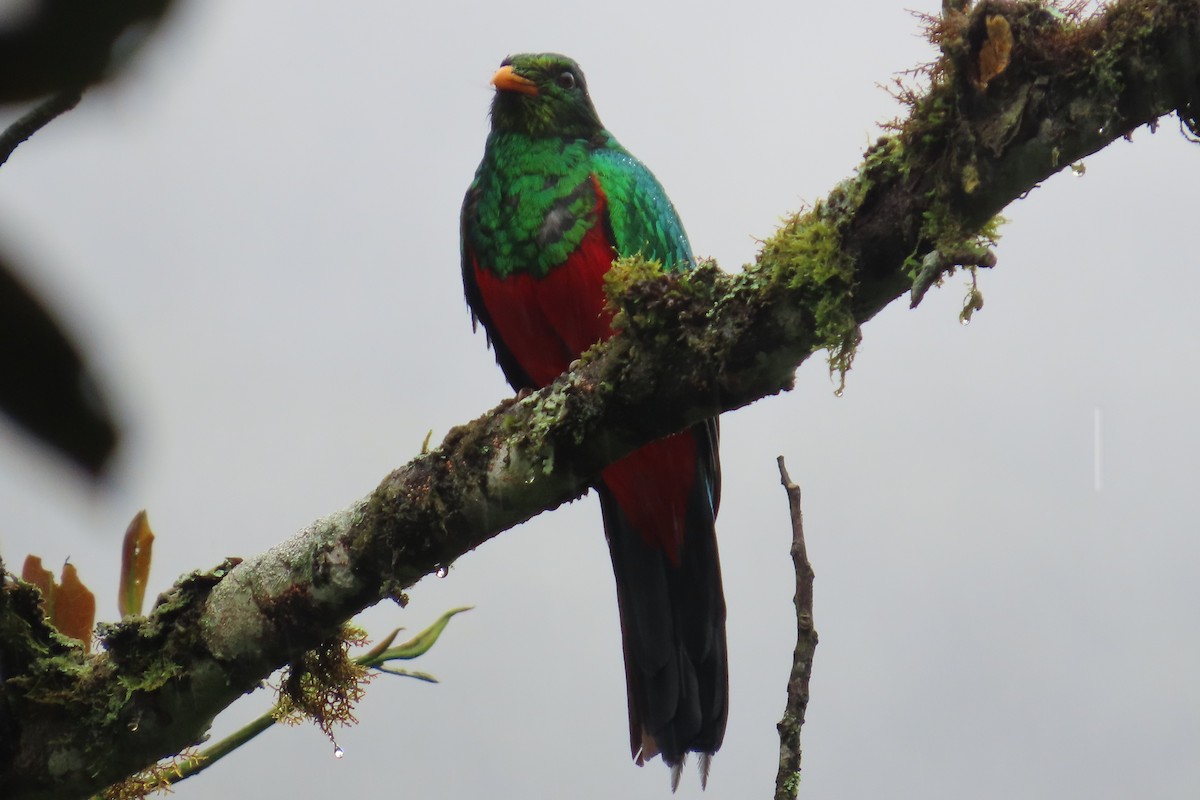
[787,779]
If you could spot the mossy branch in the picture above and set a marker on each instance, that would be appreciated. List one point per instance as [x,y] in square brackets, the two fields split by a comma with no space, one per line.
[1050,90]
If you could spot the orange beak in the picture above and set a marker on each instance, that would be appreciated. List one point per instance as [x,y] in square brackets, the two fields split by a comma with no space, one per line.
[505,80]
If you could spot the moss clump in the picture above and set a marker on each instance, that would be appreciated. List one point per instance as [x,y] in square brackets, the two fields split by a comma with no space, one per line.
[627,272]
[807,251]
[805,255]
[324,684]
[650,301]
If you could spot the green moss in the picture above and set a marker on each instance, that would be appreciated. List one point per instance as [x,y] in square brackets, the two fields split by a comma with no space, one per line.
[973,301]
[806,256]
[627,272]
[885,160]
[649,301]
[543,413]
[807,250]
[51,677]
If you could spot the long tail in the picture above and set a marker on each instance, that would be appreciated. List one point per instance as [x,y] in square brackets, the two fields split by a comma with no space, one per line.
[660,505]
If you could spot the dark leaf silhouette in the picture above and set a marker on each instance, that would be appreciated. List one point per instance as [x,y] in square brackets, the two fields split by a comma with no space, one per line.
[60,44]
[44,384]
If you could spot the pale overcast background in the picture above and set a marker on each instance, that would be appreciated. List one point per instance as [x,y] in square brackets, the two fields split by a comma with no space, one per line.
[255,232]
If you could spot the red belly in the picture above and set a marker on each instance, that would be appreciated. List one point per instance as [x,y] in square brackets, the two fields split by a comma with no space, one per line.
[546,323]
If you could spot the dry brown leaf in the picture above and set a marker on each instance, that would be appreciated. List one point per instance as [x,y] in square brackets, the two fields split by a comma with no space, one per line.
[33,572]
[74,607]
[996,51]
[69,605]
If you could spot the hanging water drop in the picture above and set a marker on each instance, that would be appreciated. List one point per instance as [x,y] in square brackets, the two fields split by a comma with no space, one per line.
[838,392]
[964,321]
[442,571]
[338,752]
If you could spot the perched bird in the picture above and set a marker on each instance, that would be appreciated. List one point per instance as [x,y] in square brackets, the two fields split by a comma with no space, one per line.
[555,200]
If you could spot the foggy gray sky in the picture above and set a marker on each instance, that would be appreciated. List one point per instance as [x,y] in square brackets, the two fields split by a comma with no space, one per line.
[255,233]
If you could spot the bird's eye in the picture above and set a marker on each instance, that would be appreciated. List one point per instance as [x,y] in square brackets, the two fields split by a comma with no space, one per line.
[566,80]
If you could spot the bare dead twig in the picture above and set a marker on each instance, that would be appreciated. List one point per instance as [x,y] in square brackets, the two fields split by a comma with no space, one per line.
[787,780]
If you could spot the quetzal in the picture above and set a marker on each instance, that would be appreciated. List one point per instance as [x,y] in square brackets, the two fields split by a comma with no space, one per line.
[553,202]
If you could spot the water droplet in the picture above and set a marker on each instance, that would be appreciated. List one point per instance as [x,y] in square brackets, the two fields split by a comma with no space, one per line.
[338,752]
[964,321]
[1078,169]
[133,726]
[838,392]
[442,571]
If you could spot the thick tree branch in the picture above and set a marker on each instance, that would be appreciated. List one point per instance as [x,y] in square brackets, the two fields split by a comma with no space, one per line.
[693,346]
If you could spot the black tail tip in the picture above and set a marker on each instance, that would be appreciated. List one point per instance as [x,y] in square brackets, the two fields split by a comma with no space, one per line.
[705,763]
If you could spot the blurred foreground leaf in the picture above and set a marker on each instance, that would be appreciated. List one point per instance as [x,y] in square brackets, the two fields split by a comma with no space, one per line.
[50,45]
[44,384]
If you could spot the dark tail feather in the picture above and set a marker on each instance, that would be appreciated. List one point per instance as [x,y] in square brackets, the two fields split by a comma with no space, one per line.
[673,624]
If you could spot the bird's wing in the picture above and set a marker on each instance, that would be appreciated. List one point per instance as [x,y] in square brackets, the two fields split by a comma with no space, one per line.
[641,218]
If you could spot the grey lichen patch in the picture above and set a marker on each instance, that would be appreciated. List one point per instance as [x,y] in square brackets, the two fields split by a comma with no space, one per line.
[544,412]
[222,634]
[562,412]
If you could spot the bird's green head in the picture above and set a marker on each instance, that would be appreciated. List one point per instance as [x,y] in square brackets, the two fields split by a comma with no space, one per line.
[543,94]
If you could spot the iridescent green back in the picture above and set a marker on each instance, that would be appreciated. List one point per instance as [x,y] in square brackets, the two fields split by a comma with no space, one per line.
[532,199]
[642,219]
